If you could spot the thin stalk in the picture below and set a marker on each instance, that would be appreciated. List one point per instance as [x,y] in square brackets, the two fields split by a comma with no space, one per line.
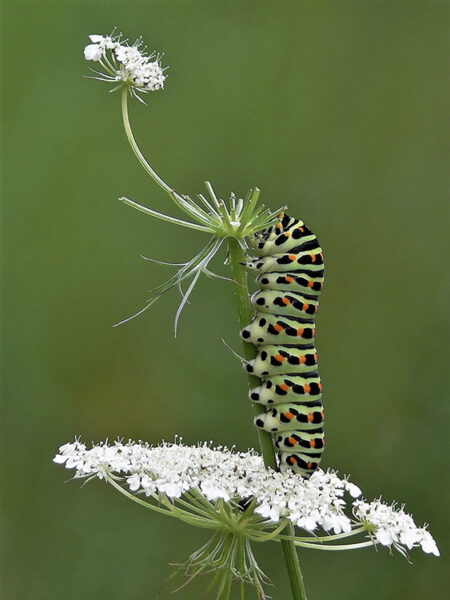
[246,314]
[169,510]
[336,547]
[164,217]
[141,158]
[179,201]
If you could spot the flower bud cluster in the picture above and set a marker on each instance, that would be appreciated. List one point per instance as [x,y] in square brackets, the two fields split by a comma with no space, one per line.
[124,63]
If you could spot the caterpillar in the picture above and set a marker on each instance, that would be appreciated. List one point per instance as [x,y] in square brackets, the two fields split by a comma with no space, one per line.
[290,277]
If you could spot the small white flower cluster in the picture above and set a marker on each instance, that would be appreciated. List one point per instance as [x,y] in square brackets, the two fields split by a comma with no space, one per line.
[174,469]
[394,526]
[124,63]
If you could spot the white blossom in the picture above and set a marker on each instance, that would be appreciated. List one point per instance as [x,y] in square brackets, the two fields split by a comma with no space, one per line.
[394,527]
[125,64]
[93,52]
[220,473]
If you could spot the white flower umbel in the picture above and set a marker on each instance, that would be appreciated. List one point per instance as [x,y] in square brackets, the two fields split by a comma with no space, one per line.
[394,527]
[125,65]
[180,473]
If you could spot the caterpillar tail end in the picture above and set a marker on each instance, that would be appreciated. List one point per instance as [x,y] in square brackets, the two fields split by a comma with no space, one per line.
[293,462]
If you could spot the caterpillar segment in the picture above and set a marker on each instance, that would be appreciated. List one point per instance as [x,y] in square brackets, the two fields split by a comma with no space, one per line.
[273,329]
[309,441]
[307,260]
[298,238]
[305,284]
[280,389]
[302,463]
[279,360]
[285,417]
[290,270]
[286,303]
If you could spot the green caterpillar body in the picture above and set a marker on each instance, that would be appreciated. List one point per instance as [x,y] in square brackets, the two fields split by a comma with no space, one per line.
[290,276]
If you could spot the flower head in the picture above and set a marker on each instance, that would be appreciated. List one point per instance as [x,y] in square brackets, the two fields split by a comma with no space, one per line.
[392,526]
[174,469]
[233,494]
[126,65]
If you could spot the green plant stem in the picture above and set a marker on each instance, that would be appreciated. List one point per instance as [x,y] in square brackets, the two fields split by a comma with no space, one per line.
[141,158]
[246,313]
[179,201]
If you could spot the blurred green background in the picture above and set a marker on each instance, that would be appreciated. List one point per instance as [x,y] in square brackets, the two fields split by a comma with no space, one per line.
[336,108]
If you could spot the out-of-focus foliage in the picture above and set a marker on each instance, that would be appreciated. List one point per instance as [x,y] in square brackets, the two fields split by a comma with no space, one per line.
[336,108]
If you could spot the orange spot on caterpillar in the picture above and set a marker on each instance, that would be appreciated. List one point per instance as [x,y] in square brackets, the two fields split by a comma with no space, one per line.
[292,257]
[323,414]
[312,443]
[292,460]
[307,388]
[287,234]
[278,327]
[280,358]
[313,258]
[310,465]
[301,229]
[315,357]
[310,284]
[320,386]
[302,360]
[289,279]
[292,441]
[286,300]
[300,331]
[289,415]
[284,387]
[305,306]
[310,417]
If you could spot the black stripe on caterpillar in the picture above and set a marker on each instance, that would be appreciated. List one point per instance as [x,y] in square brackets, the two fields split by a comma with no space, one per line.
[290,276]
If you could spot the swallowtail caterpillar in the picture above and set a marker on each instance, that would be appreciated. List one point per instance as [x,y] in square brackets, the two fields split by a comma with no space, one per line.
[290,276]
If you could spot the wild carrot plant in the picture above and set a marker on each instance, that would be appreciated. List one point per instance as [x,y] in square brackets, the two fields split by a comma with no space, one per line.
[242,498]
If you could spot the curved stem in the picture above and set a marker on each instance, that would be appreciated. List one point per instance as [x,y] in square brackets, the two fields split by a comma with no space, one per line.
[328,538]
[246,313]
[179,201]
[169,510]
[141,158]
[337,547]
[163,217]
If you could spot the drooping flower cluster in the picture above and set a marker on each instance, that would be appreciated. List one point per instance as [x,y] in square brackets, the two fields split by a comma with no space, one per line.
[174,469]
[126,64]
[394,527]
